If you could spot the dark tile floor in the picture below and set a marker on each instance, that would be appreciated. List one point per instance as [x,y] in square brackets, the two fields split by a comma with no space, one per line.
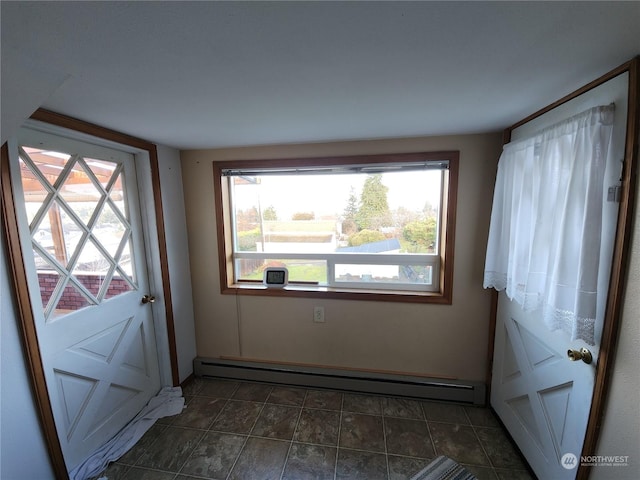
[233,430]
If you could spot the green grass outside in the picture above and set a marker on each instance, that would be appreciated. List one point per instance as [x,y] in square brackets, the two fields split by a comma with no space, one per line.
[298,273]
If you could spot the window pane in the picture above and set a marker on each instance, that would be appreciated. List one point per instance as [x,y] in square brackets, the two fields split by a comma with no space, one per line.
[393,212]
[80,230]
[344,226]
[301,271]
[387,274]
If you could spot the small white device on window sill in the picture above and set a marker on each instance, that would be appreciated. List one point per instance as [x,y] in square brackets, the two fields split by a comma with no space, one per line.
[275,277]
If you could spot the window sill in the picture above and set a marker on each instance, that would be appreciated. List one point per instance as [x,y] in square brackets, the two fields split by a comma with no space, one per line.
[321,292]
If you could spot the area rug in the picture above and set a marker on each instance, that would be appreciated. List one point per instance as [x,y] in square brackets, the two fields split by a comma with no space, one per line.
[443,468]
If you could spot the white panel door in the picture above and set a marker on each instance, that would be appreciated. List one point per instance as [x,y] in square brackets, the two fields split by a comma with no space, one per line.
[81,233]
[542,397]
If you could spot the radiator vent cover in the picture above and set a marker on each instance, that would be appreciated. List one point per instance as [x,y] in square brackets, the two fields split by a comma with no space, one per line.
[349,380]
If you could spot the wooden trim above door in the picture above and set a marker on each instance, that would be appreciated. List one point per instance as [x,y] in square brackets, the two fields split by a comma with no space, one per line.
[620,253]
[10,227]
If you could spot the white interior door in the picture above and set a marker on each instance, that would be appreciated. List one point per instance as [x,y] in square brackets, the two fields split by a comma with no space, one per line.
[82,238]
[542,397]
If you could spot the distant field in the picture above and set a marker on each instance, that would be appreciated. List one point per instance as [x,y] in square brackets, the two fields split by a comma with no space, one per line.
[300,226]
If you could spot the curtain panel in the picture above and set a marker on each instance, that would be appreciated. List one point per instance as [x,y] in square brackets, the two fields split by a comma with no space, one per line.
[546,220]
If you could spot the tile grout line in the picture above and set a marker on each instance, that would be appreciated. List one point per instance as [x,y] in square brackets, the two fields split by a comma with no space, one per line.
[335,465]
[384,436]
[206,431]
[293,435]
[473,427]
[433,443]
[428,423]
[137,460]
[484,450]
[244,444]
[193,396]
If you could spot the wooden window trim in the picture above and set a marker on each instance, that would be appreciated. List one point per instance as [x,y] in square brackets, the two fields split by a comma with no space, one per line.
[447,238]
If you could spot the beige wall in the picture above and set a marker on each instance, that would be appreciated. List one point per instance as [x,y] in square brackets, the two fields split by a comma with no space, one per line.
[439,340]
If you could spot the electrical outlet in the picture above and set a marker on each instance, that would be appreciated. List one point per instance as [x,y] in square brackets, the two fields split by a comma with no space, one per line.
[318,314]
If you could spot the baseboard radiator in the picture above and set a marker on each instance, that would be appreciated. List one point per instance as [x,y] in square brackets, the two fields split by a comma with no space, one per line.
[348,380]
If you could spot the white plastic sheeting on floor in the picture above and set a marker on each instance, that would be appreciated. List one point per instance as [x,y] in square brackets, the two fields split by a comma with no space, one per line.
[167,403]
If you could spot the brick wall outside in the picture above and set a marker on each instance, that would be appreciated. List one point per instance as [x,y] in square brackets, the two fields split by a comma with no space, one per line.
[71,298]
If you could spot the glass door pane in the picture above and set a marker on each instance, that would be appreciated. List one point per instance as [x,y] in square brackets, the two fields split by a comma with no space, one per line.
[80,229]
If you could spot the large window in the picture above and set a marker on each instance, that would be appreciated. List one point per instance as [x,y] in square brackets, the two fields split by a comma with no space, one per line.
[370,227]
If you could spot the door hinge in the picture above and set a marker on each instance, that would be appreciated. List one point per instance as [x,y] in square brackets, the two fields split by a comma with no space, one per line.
[614,194]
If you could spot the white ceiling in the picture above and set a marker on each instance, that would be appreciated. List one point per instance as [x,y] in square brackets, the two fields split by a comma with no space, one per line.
[215,74]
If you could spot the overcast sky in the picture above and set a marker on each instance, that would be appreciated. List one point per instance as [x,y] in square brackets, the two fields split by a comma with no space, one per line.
[296,193]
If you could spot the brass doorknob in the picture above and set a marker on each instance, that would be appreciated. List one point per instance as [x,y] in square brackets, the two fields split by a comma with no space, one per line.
[582,354]
[148,299]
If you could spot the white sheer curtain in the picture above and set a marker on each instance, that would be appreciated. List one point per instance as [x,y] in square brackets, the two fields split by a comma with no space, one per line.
[544,238]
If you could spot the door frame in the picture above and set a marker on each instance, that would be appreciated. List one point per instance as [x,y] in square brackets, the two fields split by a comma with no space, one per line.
[620,260]
[33,359]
